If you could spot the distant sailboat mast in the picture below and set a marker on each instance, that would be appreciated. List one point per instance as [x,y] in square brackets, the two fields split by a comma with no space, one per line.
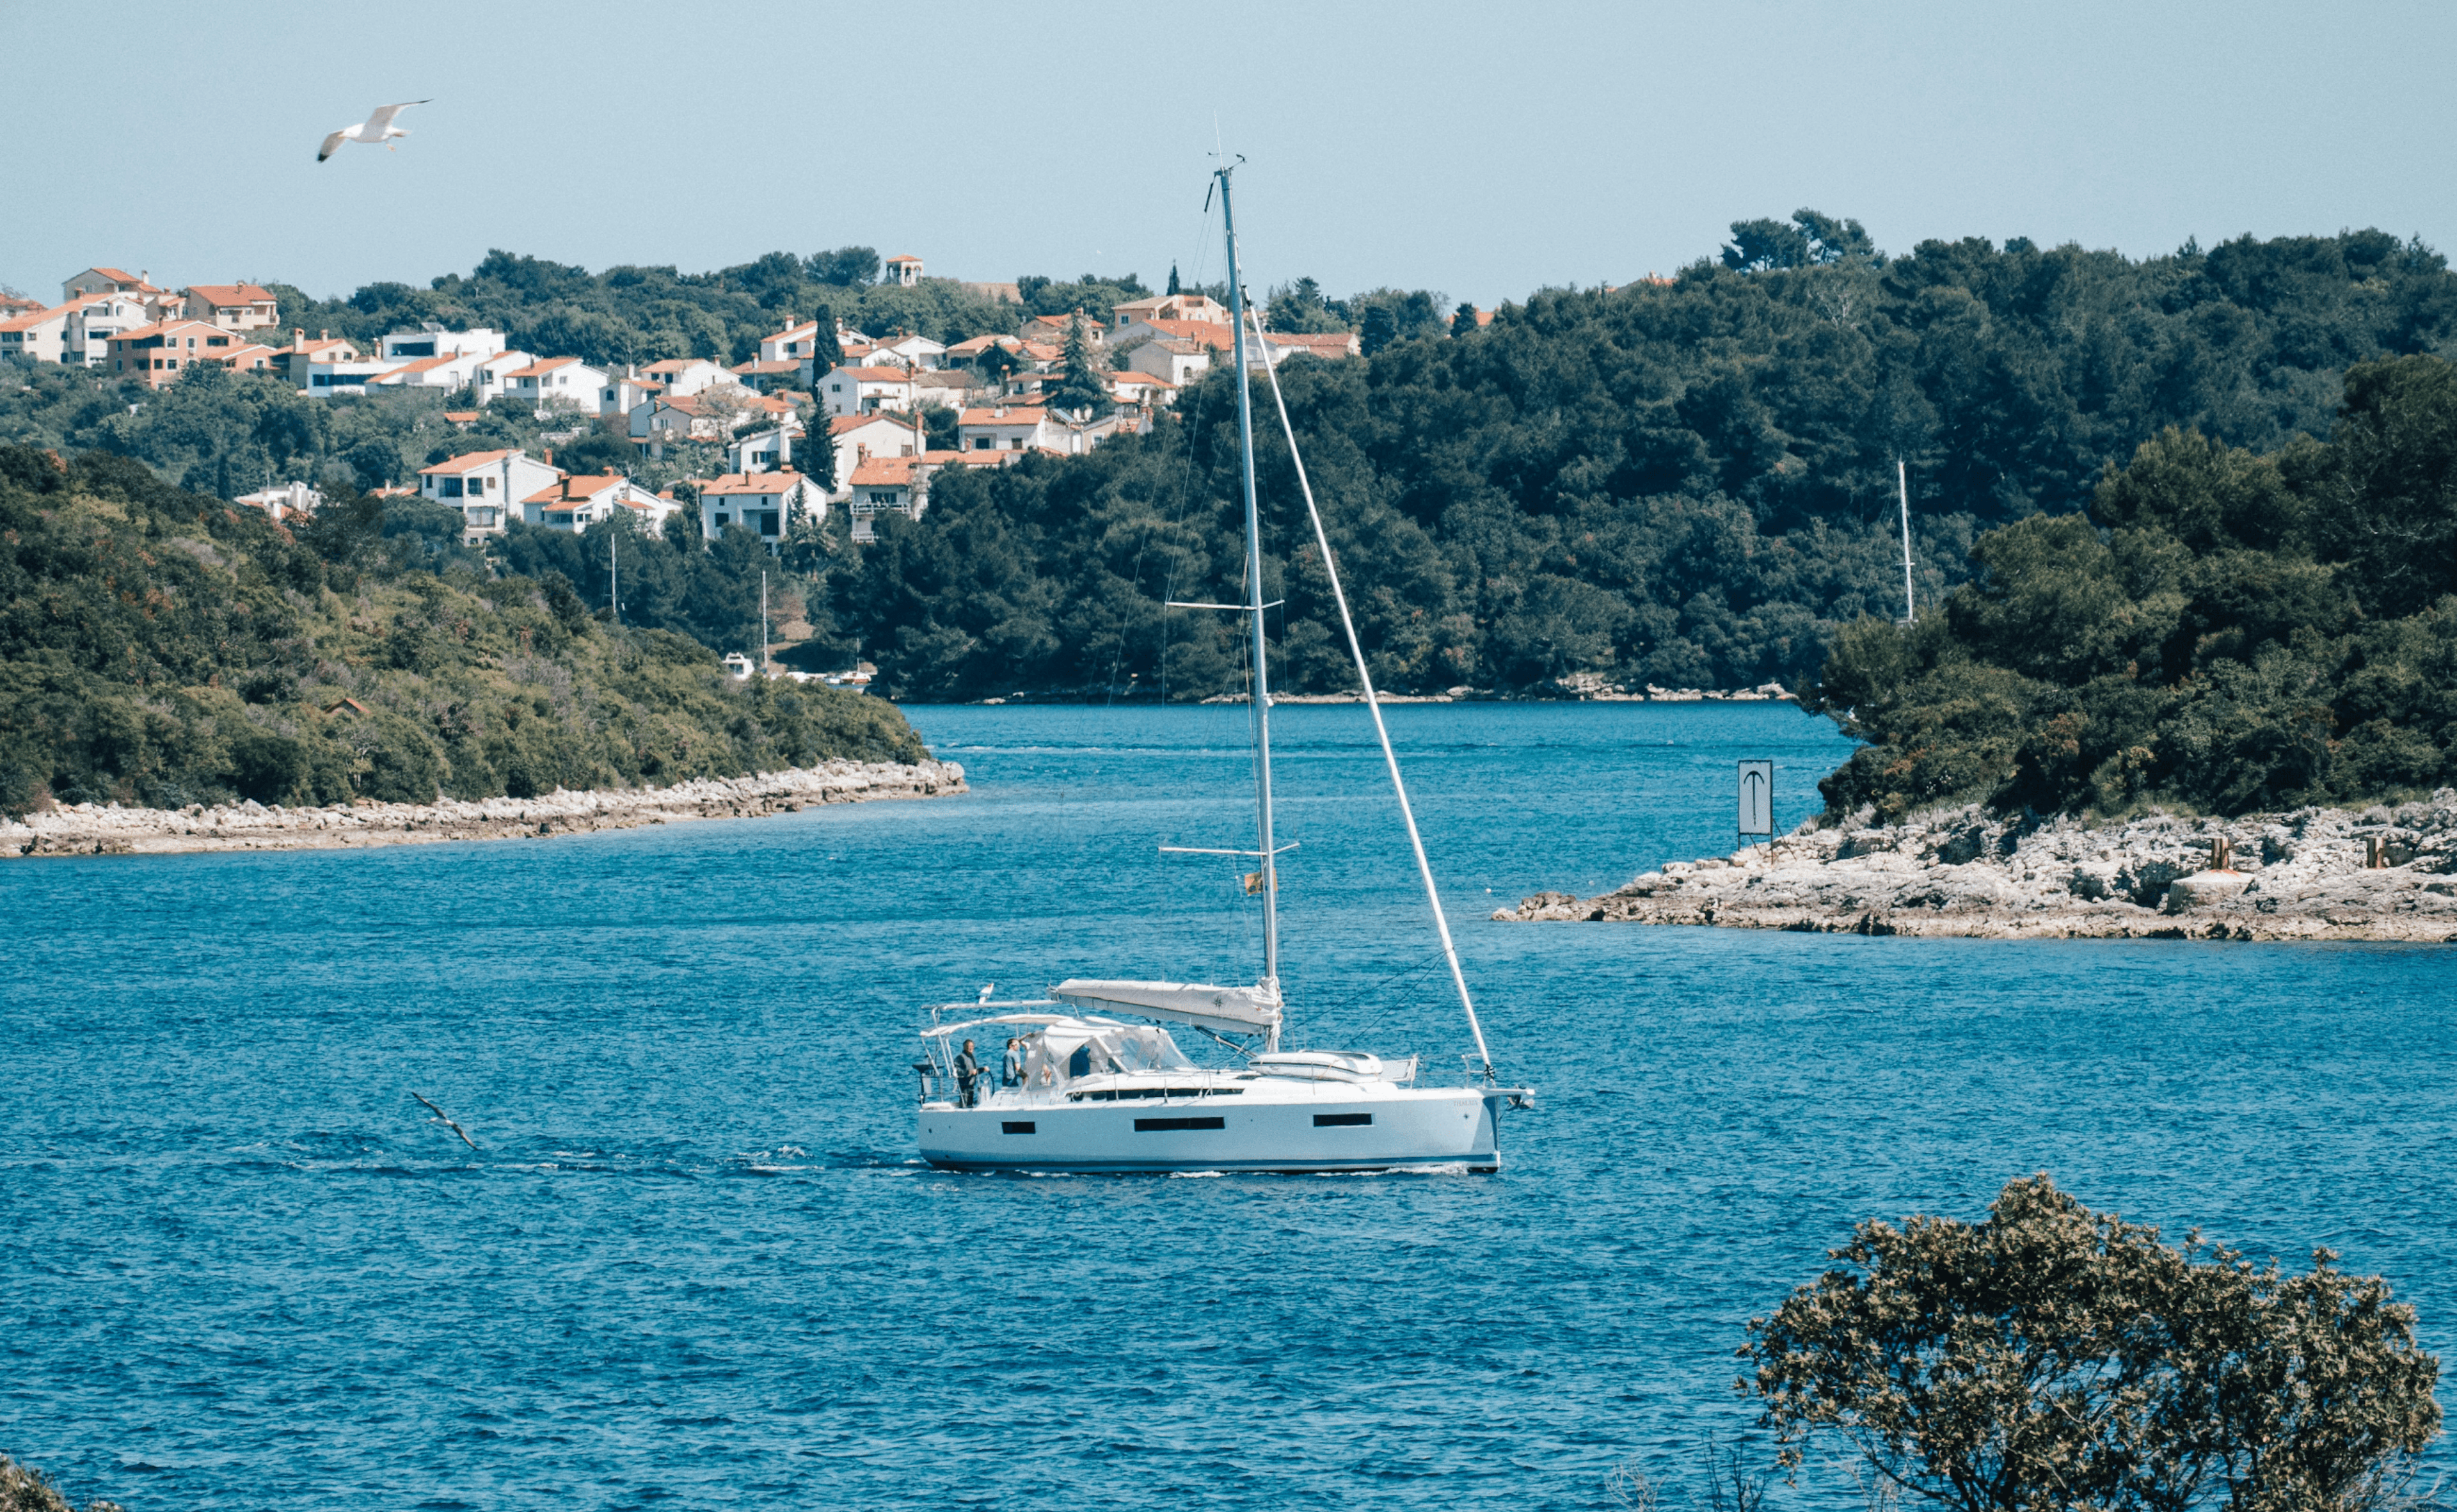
[1903,482]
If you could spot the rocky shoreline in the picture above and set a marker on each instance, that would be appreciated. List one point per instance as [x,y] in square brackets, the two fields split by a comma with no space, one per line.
[2315,873]
[85,829]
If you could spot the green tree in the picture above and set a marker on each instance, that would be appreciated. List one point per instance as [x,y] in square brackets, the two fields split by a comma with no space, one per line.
[2055,1357]
[827,354]
[1463,320]
[1172,280]
[1079,388]
[846,267]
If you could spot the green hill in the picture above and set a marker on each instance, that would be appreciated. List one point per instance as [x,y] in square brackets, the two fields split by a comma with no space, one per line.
[165,648]
[2225,631]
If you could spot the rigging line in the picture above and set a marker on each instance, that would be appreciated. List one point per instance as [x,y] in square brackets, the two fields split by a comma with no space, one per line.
[1373,704]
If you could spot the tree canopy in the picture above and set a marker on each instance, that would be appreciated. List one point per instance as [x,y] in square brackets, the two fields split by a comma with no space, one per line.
[161,646]
[2051,1356]
[2226,630]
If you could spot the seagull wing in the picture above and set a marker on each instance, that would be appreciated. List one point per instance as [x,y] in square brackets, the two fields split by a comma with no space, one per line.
[332,144]
[379,120]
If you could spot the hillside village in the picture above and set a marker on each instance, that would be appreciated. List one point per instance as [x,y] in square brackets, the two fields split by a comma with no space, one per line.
[883,399]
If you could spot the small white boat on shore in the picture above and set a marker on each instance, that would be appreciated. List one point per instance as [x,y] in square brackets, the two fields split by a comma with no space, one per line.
[1091,1091]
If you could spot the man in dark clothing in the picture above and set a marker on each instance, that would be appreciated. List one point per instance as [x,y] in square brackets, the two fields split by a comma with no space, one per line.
[1011,1074]
[1080,1063]
[968,1074]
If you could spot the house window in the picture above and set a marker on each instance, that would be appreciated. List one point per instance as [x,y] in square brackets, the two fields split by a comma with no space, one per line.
[723,520]
[451,488]
[980,443]
[767,522]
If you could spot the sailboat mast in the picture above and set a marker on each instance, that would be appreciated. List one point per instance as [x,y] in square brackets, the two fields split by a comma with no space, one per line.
[1260,709]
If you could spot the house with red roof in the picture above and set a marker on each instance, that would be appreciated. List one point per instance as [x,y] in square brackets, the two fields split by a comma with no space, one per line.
[575,504]
[488,487]
[552,378]
[865,391]
[232,306]
[159,354]
[767,503]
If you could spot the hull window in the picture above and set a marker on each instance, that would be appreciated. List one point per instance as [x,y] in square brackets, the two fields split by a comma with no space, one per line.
[1340,1120]
[1013,1127]
[1161,1125]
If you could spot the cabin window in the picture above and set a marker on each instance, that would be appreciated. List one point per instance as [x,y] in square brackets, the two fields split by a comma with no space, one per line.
[1164,1126]
[1341,1120]
[1013,1127]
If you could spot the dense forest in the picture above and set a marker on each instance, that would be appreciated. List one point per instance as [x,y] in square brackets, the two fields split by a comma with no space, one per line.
[1687,482]
[2222,628]
[1690,482]
[161,646]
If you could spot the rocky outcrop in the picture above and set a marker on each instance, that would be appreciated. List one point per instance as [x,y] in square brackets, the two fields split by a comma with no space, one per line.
[2315,873]
[109,830]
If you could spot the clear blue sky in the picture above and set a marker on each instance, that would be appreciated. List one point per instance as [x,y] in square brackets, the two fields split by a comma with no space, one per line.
[1484,150]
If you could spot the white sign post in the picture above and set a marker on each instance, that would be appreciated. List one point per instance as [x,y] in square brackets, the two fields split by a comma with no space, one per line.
[1756,799]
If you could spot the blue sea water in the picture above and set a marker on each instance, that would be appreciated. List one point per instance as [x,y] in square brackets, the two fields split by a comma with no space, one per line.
[693,1261]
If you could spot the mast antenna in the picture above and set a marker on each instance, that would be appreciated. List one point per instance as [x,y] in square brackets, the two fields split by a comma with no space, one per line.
[1903,482]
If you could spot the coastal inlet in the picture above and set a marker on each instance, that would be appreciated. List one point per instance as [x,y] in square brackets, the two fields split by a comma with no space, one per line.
[694,1261]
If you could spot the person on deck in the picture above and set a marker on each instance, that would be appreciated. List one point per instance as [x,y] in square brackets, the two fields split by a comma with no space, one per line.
[1011,1071]
[968,1074]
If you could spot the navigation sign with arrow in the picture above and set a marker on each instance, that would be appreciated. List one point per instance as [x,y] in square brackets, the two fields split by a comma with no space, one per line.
[1757,799]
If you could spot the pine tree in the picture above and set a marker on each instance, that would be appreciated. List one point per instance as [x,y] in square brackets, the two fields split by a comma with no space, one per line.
[1079,386]
[826,356]
[1172,280]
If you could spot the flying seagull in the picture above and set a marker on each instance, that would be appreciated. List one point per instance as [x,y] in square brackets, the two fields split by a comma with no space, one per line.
[375,128]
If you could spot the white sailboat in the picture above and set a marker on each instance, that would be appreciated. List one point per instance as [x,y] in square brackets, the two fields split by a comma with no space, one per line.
[1103,1085]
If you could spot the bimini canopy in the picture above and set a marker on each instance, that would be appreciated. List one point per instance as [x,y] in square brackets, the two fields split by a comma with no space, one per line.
[1228,1010]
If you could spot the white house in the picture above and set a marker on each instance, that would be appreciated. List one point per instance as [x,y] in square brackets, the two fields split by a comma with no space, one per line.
[556,378]
[1005,427]
[765,502]
[763,450]
[866,390]
[883,483]
[684,376]
[799,343]
[1134,387]
[859,438]
[284,501]
[452,370]
[487,486]
[1178,362]
[329,365]
[95,321]
[709,415]
[575,504]
[432,339]
[626,393]
[490,375]
[911,352]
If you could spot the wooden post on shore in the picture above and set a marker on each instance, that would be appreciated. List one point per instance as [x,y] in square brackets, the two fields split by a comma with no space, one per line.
[2375,854]
[2222,854]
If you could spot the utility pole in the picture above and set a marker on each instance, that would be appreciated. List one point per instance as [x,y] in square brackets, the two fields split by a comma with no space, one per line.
[1903,482]
[763,622]
[613,581]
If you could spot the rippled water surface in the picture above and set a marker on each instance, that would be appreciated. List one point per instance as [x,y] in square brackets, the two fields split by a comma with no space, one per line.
[693,1261]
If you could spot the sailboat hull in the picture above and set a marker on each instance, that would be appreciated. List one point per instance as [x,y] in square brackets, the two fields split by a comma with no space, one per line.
[1346,1129]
